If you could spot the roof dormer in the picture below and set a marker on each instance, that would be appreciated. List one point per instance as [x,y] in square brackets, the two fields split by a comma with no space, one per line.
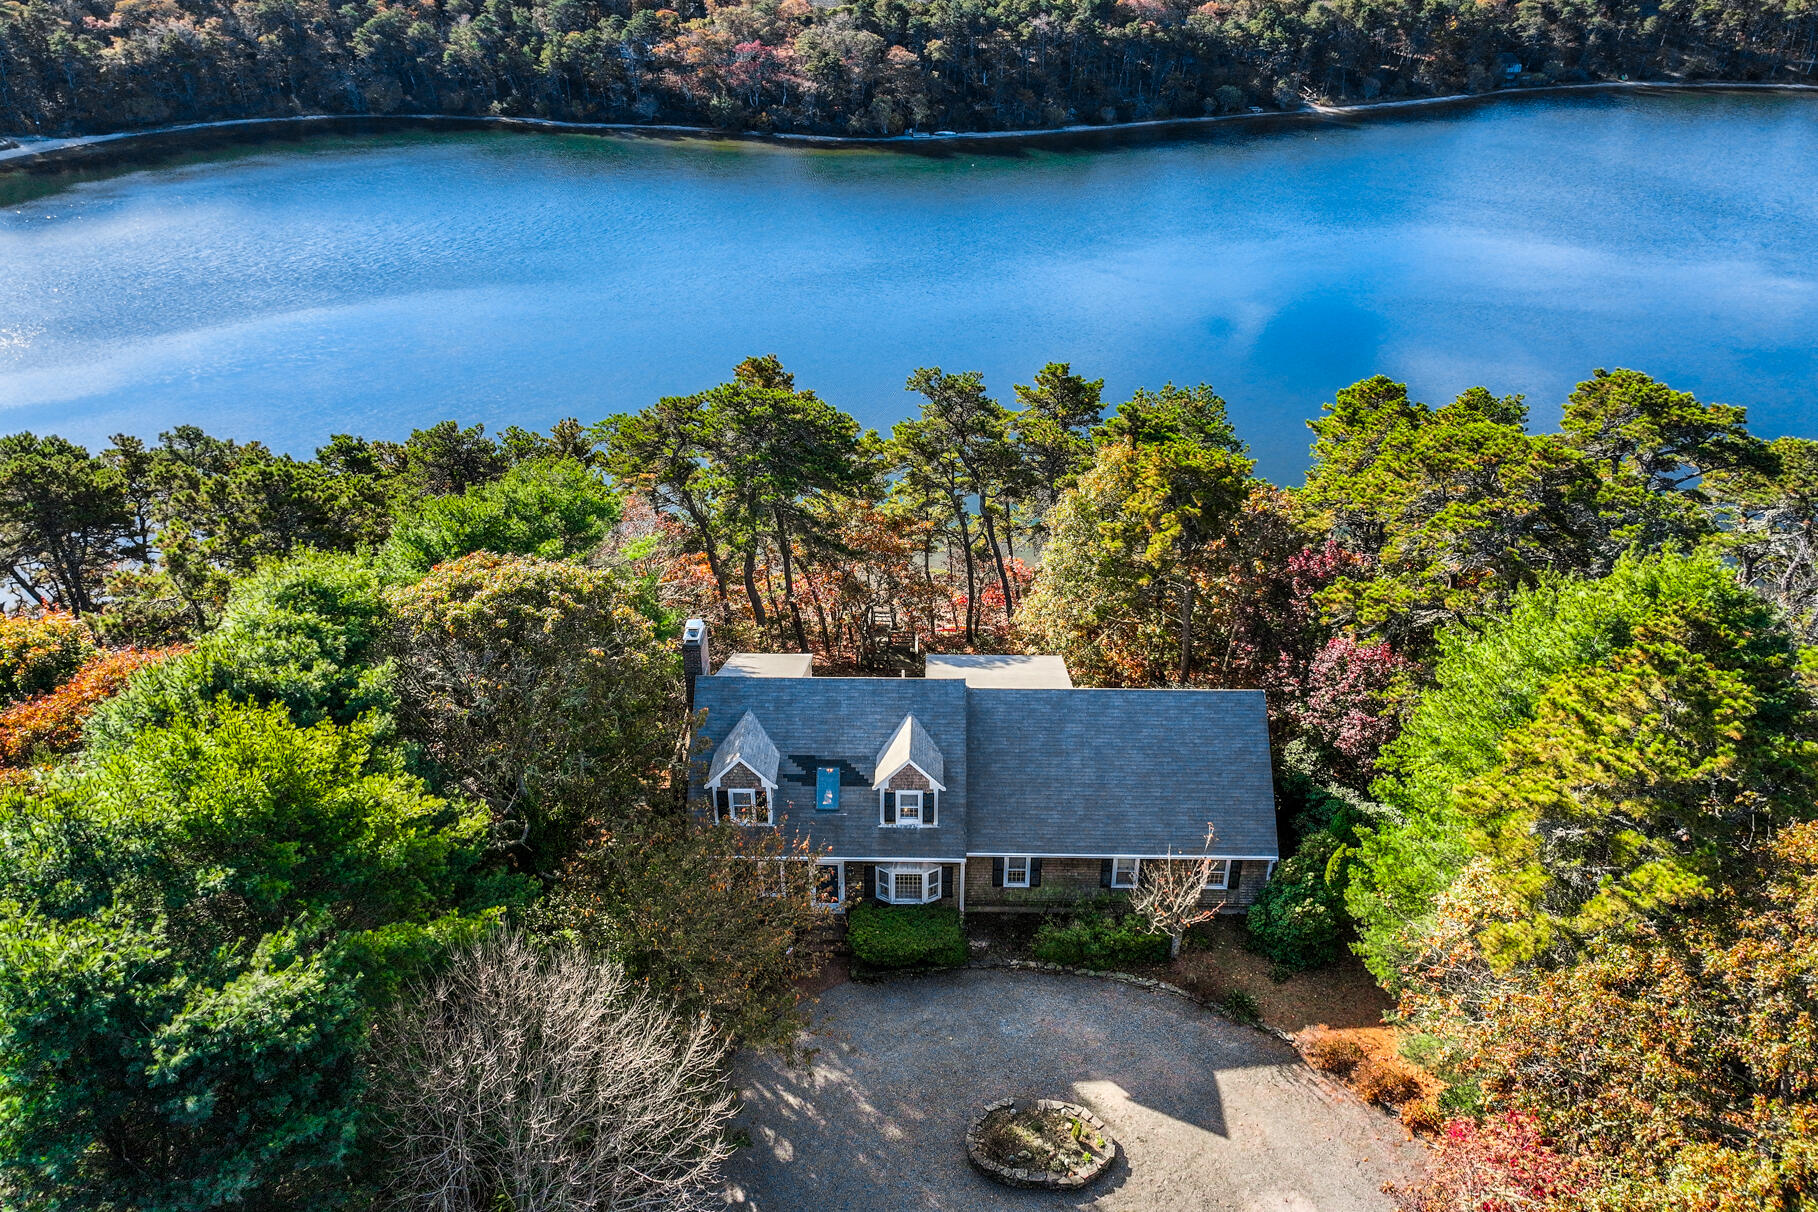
[908,777]
[909,745]
[749,746]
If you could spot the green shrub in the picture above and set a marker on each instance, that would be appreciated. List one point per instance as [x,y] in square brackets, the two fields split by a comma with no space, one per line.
[1463,1097]
[1240,1006]
[1299,918]
[1091,939]
[549,508]
[1447,1060]
[1491,678]
[39,653]
[906,936]
[303,633]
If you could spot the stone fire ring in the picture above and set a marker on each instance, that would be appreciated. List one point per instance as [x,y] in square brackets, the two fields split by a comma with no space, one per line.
[1015,1177]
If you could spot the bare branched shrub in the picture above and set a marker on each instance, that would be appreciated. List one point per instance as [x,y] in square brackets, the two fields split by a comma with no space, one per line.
[1170,892]
[546,1081]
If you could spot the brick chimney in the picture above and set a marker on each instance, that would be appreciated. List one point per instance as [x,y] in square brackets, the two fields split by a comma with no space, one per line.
[696,663]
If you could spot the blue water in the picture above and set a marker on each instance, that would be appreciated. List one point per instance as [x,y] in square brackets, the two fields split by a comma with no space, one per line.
[374,285]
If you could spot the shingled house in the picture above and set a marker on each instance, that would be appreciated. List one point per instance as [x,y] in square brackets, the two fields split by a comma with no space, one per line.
[991,783]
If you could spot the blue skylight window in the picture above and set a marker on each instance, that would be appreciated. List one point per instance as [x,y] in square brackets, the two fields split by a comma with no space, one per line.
[827,789]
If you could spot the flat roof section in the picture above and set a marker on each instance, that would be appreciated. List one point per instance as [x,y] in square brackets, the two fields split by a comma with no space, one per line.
[993,672]
[768,665]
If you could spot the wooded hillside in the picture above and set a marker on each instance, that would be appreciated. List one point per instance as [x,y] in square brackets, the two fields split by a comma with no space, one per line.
[872,67]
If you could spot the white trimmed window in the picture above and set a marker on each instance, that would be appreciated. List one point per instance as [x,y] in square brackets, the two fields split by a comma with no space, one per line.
[776,878]
[1221,874]
[909,808]
[830,885]
[1016,872]
[742,807]
[909,883]
[1123,872]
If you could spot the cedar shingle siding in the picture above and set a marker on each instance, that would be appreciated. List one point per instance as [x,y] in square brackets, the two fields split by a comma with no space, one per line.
[1067,881]
[909,779]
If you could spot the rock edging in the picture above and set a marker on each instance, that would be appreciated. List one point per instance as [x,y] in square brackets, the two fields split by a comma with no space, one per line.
[1016,1176]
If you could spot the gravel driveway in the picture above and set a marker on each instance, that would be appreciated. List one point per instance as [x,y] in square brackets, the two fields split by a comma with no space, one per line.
[1209,1115]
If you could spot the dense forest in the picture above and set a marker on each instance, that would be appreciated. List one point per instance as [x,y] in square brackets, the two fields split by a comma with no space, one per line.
[337,810]
[873,67]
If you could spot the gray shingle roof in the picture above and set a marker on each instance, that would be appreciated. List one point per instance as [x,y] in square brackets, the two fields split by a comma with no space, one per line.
[995,670]
[1040,772]
[1120,772]
[768,665]
[844,723]
[909,743]
[747,743]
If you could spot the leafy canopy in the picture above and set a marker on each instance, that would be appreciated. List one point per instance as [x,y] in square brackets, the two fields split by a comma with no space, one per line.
[1133,547]
[1460,505]
[194,930]
[549,508]
[1490,679]
[538,688]
[301,634]
[1637,788]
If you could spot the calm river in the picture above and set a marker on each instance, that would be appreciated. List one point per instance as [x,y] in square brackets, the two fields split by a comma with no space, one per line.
[372,285]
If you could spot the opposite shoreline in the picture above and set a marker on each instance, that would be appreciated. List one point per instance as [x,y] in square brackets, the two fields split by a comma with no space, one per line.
[57,155]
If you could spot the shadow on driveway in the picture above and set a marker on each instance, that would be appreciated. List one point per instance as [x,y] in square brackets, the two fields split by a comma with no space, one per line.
[1208,1115]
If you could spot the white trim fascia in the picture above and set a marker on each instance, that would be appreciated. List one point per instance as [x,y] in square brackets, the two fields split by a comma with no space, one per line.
[888,858]
[877,784]
[713,784]
[1229,858]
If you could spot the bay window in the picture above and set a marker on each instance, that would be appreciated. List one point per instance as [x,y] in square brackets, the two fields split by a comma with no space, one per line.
[909,883]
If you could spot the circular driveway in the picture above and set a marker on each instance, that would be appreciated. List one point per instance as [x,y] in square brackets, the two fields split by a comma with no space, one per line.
[1208,1115]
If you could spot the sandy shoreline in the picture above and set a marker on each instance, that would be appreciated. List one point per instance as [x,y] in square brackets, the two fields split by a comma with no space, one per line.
[53,154]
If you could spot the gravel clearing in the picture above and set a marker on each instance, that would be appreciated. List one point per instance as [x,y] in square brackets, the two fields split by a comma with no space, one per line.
[1208,1115]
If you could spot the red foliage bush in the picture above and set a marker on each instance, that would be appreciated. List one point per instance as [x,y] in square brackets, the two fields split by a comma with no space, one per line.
[1499,1165]
[52,723]
[1349,700]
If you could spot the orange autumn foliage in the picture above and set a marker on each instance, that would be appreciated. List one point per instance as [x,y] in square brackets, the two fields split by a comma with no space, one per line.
[52,722]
